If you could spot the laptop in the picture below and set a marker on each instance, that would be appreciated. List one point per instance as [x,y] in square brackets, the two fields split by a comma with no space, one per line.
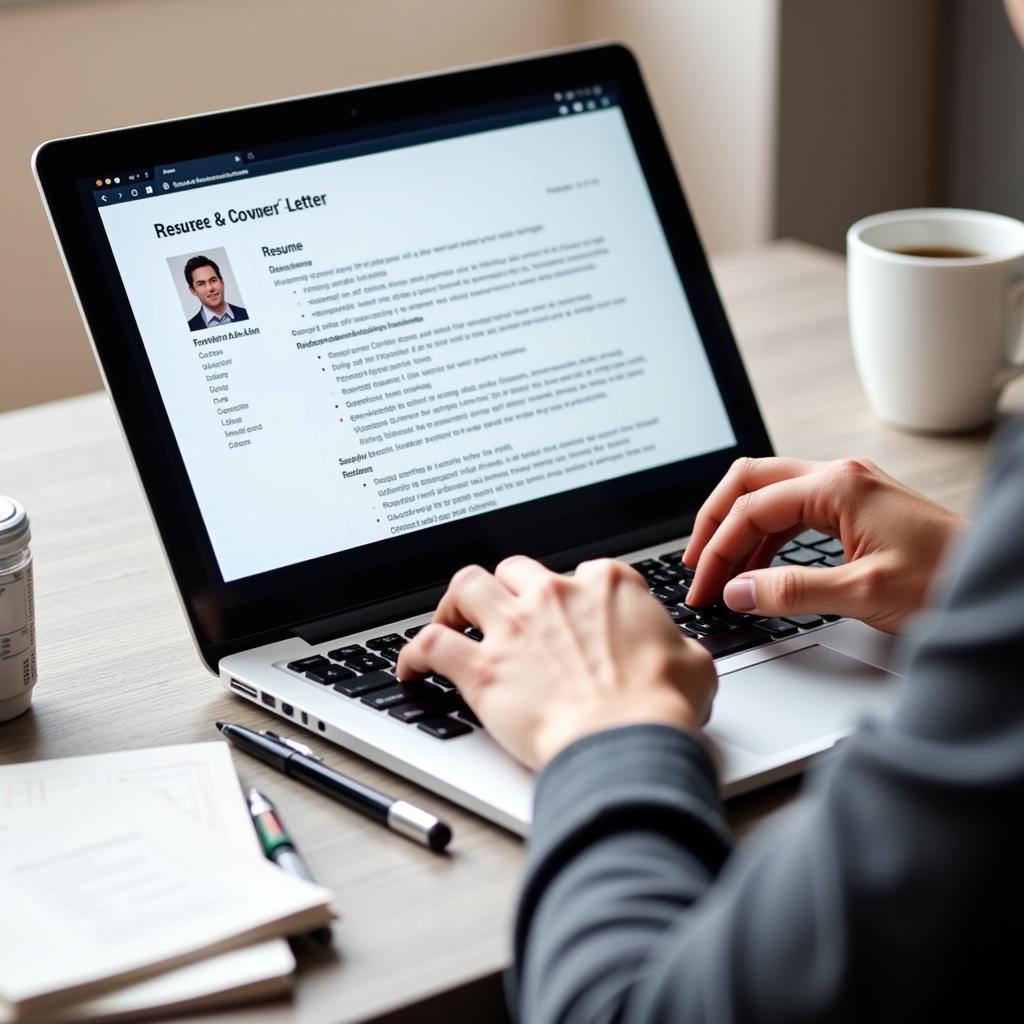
[357,340]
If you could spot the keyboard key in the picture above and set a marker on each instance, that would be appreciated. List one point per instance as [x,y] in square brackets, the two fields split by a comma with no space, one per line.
[391,653]
[671,593]
[810,537]
[803,556]
[416,689]
[413,630]
[417,710]
[707,626]
[305,664]
[777,627]
[366,663]
[465,713]
[346,652]
[680,614]
[673,557]
[388,640]
[805,621]
[740,639]
[473,633]
[362,685]
[720,610]
[832,546]
[442,681]
[444,728]
[647,565]
[786,548]
[834,560]
[664,575]
[329,674]
[414,712]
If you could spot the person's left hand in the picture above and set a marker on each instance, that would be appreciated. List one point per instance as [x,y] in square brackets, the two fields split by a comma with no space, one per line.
[562,657]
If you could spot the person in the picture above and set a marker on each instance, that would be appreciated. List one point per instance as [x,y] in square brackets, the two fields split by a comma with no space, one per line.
[207,285]
[891,891]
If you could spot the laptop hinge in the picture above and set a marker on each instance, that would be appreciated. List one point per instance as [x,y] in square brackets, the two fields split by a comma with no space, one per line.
[334,626]
[416,603]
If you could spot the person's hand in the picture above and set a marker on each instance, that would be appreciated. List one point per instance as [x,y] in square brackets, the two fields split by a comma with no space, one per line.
[562,658]
[893,538]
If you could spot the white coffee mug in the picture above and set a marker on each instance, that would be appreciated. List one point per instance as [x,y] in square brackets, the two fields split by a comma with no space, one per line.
[936,302]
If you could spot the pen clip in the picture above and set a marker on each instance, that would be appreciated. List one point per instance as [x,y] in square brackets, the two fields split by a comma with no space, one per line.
[299,748]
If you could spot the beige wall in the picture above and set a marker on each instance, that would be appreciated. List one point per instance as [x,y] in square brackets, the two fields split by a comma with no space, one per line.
[858,113]
[711,67]
[82,65]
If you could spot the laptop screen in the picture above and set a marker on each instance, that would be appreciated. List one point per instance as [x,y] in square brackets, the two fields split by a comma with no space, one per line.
[362,337]
[359,339]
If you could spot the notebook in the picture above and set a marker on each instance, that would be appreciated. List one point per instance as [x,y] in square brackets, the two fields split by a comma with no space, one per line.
[190,787]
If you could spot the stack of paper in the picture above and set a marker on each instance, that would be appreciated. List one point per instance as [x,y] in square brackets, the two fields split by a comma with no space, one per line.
[125,878]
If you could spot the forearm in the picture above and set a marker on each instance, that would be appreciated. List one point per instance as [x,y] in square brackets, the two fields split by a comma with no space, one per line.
[898,866]
[628,833]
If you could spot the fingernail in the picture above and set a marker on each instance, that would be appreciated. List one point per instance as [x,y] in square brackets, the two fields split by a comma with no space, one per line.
[739,595]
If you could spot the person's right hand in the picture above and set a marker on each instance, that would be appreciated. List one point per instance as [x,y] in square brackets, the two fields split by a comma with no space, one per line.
[893,538]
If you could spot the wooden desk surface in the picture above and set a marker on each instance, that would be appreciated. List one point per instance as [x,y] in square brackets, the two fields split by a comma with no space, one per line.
[117,668]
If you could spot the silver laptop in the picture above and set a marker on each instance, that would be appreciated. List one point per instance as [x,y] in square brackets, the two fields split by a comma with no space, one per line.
[357,340]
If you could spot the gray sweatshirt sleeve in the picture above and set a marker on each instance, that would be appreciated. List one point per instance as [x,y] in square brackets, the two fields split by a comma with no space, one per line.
[891,891]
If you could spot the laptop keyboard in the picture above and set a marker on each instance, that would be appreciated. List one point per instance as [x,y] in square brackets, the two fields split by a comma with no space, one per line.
[719,629]
[365,672]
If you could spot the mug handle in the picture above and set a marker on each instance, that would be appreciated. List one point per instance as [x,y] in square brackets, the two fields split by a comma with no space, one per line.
[1013,368]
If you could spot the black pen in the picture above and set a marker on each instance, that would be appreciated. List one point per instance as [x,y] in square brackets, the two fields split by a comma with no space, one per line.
[279,847]
[297,761]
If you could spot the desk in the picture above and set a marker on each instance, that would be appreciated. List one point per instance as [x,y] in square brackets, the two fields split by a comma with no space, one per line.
[421,937]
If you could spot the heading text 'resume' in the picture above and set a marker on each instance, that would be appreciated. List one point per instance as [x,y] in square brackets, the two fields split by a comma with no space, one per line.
[291,205]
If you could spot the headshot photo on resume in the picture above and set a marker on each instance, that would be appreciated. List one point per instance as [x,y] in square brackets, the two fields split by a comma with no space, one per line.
[206,283]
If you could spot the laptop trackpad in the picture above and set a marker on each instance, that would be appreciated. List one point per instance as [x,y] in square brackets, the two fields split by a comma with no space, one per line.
[798,698]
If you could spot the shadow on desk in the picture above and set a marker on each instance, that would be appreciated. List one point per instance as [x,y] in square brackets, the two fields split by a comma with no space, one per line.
[481,1001]
[758,807]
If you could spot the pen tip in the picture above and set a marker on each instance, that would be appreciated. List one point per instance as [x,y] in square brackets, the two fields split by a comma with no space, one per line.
[220,725]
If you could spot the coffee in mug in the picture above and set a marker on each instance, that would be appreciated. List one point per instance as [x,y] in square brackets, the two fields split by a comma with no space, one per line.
[936,303]
[940,252]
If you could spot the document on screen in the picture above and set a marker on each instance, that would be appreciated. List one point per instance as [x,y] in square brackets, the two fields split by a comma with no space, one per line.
[413,336]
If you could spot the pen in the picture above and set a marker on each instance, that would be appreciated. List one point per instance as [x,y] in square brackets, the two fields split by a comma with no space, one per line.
[279,847]
[297,761]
